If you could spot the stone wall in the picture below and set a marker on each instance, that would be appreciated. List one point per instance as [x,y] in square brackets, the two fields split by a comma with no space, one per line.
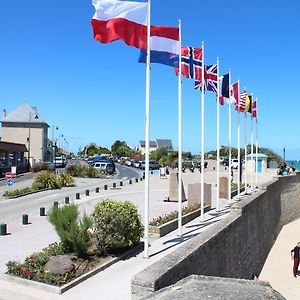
[235,247]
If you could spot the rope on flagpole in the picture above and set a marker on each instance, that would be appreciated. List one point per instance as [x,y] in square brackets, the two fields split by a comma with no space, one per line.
[218,139]
[229,139]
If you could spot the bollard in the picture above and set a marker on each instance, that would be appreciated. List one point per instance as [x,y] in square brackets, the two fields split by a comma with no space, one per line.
[225,168]
[136,180]
[3,229]
[151,172]
[24,219]
[121,183]
[105,187]
[87,192]
[141,179]
[130,181]
[97,190]
[114,185]
[214,168]
[67,200]
[42,211]
[77,196]
[55,204]
[144,176]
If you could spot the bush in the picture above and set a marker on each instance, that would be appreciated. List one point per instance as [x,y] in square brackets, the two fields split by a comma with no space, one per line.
[36,185]
[38,167]
[48,179]
[18,192]
[74,236]
[116,225]
[66,179]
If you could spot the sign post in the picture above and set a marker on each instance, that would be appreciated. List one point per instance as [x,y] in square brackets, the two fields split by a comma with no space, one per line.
[8,175]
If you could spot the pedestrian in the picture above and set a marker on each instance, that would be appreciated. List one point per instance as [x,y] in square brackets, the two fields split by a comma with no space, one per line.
[295,257]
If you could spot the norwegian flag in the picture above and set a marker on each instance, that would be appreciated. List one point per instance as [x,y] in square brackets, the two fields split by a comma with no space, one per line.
[241,105]
[211,79]
[191,62]
[254,112]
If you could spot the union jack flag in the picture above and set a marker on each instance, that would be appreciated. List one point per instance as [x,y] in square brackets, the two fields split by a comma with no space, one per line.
[191,62]
[241,105]
[211,79]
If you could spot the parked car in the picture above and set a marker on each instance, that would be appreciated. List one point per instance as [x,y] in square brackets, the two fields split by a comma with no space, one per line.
[225,162]
[105,166]
[234,163]
[60,162]
[153,165]
[137,163]
[128,163]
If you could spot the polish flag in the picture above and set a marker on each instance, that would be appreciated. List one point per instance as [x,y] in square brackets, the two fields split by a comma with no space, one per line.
[121,20]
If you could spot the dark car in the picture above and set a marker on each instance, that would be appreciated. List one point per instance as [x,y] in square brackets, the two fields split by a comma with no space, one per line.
[225,162]
[153,165]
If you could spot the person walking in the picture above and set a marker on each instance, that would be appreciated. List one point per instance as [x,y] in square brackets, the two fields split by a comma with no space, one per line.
[295,257]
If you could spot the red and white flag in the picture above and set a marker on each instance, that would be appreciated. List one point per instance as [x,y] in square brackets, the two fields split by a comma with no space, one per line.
[254,113]
[241,104]
[121,20]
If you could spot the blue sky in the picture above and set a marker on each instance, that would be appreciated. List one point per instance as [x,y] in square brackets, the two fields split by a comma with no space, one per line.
[96,93]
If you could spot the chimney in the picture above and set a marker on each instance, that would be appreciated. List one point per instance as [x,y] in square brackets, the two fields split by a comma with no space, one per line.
[4,114]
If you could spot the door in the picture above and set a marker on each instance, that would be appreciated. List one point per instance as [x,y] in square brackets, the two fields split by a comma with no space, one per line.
[259,166]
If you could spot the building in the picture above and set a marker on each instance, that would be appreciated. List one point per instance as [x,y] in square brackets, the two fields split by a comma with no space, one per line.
[262,162]
[25,126]
[12,154]
[155,145]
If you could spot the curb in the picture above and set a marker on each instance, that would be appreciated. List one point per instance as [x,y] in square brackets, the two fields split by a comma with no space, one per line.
[60,290]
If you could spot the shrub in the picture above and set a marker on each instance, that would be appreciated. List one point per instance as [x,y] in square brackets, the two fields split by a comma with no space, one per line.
[74,236]
[36,185]
[41,166]
[91,172]
[116,225]
[65,179]
[18,192]
[48,179]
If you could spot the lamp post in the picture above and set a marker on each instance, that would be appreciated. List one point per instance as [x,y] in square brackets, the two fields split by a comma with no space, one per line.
[29,139]
[284,154]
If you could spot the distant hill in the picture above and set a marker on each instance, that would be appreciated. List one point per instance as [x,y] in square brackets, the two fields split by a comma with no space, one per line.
[234,152]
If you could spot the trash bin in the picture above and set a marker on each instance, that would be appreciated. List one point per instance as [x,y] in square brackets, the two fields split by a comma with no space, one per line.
[3,229]
[24,219]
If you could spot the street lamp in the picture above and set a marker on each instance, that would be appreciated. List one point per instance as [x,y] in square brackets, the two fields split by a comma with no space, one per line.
[284,154]
[53,143]
[28,139]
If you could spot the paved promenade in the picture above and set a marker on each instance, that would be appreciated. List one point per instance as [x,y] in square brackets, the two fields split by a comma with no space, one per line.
[114,282]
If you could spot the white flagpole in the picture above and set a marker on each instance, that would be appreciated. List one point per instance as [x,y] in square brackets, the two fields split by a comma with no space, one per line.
[239,142]
[218,139]
[202,133]
[147,138]
[252,166]
[245,128]
[179,140]
[256,146]
[229,140]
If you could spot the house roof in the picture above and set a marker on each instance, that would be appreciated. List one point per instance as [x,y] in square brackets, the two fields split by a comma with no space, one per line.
[143,144]
[164,143]
[24,114]
[259,155]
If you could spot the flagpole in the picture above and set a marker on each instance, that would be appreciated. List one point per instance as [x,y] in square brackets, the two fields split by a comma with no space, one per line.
[147,138]
[202,134]
[256,145]
[245,128]
[229,140]
[239,142]
[218,139]
[252,167]
[179,140]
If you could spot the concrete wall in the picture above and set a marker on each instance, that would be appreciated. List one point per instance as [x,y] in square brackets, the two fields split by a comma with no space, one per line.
[236,247]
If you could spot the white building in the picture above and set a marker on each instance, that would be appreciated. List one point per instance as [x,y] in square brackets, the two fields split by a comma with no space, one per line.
[155,145]
[25,126]
[262,162]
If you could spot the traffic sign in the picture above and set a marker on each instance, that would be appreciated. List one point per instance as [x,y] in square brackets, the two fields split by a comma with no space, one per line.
[9,182]
[8,175]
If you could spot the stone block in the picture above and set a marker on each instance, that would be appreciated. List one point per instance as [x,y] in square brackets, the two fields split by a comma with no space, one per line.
[223,187]
[173,188]
[194,194]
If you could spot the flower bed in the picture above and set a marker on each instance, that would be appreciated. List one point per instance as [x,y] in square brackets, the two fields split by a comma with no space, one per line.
[167,223]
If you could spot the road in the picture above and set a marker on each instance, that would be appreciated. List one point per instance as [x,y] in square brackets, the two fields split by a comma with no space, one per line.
[11,210]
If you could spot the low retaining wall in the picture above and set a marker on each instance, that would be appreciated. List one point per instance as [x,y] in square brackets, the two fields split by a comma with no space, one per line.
[235,247]
[159,231]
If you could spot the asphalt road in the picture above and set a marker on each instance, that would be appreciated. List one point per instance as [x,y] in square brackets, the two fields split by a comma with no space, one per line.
[11,210]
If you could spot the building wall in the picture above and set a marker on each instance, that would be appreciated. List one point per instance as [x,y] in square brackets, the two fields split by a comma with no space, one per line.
[264,165]
[236,247]
[142,149]
[38,139]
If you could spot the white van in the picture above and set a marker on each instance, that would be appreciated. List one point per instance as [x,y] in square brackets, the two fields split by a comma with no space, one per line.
[60,162]
[234,163]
